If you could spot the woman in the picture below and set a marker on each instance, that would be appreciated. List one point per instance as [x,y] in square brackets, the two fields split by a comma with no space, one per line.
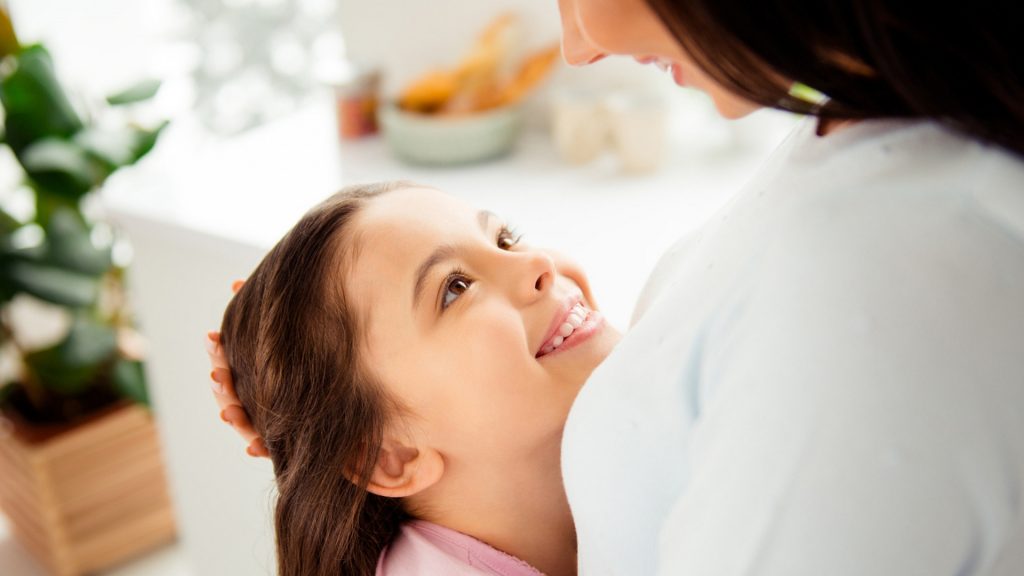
[409,366]
[829,377]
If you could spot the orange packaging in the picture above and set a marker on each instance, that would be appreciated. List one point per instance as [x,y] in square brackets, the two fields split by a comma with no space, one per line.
[356,99]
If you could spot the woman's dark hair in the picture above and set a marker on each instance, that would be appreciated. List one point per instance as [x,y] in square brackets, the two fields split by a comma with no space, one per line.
[292,339]
[955,62]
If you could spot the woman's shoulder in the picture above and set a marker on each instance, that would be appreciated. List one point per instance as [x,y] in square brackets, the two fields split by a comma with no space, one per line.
[911,154]
[892,185]
[424,548]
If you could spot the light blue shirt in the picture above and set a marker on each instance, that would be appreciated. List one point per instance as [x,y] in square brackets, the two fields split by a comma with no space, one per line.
[827,379]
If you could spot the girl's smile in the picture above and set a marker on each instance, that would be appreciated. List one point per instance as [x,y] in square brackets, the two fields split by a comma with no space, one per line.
[572,325]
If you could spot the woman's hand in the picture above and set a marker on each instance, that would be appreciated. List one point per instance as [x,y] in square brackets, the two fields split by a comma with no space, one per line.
[231,411]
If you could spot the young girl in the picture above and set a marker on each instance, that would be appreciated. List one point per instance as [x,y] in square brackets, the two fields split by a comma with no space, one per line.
[409,366]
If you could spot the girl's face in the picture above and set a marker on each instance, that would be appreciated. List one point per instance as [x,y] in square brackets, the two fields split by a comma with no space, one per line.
[460,320]
[594,29]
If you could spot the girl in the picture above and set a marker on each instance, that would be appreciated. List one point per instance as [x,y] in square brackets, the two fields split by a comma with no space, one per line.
[409,365]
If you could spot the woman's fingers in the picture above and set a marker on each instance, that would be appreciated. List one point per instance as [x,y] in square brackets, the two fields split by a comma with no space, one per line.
[231,411]
[215,351]
[220,375]
[258,449]
[239,420]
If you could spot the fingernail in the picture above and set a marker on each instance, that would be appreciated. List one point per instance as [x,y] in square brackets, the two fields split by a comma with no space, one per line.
[224,417]
[250,451]
[215,383]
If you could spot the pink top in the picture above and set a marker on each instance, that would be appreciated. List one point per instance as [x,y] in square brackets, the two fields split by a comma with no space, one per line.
[425,549]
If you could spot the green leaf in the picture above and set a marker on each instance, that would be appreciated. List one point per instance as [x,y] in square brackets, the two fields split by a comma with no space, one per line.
[121,147]
[6,390]
[57,154]
[143,90]
[130,381]
[112,147]
[47,282]
[71,365]
[146,140]
[34,101]
[7,291]
[62,167]
[69,244]
[8,224]
[48,204]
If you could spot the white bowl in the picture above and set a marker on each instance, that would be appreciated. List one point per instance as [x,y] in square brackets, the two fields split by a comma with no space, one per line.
[448,140]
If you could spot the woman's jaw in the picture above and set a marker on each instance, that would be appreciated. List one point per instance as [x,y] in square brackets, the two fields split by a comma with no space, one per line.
[595,29]
[666,65]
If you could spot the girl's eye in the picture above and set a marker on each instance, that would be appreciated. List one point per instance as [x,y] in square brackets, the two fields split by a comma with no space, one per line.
[454,287]
[508,238]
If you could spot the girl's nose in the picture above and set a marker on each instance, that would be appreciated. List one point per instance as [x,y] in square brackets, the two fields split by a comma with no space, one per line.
[538,276]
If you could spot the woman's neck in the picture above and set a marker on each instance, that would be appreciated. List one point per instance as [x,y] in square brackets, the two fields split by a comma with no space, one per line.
[828,126]
[518,507]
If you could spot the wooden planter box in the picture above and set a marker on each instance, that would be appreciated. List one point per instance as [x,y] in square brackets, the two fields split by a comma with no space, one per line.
[90,496]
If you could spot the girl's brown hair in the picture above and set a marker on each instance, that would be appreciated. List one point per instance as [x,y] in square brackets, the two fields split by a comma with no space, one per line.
[291,338]
[955,62]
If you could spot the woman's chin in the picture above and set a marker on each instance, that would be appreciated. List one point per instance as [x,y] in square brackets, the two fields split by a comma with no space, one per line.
[735,110]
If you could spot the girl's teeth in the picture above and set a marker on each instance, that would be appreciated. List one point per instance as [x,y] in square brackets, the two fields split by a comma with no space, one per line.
[575,319]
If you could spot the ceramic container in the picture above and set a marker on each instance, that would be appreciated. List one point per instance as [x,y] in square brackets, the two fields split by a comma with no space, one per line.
[450,140]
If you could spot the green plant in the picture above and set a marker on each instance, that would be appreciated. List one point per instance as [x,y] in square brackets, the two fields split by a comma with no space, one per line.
[55,256]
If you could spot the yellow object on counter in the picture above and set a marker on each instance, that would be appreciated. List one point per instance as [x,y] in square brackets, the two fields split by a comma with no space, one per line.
[480,81]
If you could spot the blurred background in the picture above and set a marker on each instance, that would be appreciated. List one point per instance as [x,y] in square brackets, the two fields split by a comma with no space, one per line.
[230,118]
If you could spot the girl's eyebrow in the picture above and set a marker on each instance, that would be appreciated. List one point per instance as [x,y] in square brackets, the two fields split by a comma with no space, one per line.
[440,254]
[483,217]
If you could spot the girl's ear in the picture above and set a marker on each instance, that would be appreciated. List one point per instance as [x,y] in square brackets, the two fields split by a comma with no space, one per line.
[402,471]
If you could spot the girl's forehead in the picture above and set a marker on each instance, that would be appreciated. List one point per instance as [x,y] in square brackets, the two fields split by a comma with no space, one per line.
[425,206]
[407,222]
[395,232]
